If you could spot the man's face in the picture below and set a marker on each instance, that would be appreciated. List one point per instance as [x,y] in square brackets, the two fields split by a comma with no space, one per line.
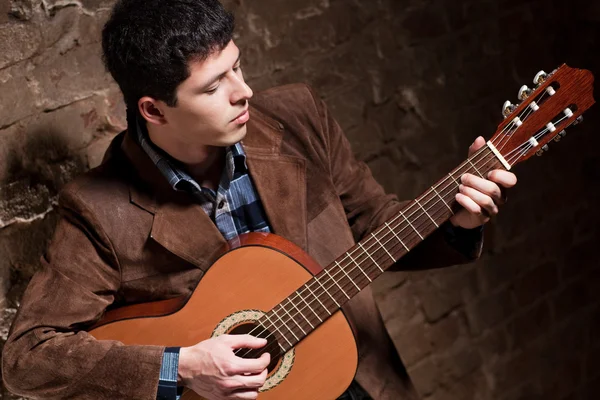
[210,101]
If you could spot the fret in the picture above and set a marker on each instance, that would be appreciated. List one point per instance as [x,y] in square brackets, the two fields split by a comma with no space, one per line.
[336,282]
[344,271]
[309,307]
[322,287]
[457,184]
[425,211]
[275,326]
[411,225]
[474,167]
[291,318]
[443,201]
[396,236]
[299,312]
[358,266]
[316,297]
[383,247]
[369,255]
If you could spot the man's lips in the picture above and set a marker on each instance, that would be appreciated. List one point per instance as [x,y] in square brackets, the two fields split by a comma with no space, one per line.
[243,117]
[240,114]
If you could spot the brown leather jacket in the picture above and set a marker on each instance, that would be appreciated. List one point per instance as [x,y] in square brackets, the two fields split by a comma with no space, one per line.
[126,237]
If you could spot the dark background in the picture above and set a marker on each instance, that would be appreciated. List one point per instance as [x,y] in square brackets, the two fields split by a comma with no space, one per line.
[412,82]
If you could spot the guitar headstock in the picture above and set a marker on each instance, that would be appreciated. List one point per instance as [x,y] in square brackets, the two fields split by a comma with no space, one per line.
[557,102]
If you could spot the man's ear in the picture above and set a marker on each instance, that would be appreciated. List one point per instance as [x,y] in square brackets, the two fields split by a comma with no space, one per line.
[151,110]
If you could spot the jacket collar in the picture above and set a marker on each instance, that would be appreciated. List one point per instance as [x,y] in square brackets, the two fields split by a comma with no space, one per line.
[182,227]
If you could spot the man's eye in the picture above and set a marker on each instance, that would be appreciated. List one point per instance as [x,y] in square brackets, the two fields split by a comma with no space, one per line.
[211,91]
[236,69]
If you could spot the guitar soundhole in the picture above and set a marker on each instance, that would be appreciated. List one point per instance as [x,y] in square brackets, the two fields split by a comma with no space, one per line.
[271,347]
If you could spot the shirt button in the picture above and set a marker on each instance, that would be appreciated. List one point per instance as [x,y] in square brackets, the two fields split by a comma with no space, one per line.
[221,204]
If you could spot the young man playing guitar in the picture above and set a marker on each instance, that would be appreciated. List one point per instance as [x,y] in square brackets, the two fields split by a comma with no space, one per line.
[203,161]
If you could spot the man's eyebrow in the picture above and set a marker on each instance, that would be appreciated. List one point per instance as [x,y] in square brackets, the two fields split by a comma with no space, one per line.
[218,77]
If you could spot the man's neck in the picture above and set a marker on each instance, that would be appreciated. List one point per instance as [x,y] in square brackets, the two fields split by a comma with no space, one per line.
[208,172]
[203,163]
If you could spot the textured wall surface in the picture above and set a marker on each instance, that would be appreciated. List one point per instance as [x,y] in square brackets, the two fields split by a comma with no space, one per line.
[412,82]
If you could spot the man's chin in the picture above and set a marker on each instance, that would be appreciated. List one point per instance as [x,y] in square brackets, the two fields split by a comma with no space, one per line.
[234,137]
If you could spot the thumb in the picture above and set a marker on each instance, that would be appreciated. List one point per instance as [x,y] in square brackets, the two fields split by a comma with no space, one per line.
[246,341]
[477,144]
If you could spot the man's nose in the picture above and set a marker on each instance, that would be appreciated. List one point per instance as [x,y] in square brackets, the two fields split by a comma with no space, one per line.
[242,91]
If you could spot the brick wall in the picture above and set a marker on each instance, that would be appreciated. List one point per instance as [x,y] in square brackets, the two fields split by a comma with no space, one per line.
[412,83]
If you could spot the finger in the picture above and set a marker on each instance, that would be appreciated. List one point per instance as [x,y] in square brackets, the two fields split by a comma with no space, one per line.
[245,341]
[477,144]
[254,381]
[243,395]
[503,178]
[484,201]
[252,365]
[484,186]
[471,207]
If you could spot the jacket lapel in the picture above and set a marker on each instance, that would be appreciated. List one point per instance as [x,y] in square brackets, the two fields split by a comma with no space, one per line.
[280,183]
[186,231]
[279,179]
[179,224]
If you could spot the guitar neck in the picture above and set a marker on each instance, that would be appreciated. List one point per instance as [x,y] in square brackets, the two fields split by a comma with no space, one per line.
[324,294]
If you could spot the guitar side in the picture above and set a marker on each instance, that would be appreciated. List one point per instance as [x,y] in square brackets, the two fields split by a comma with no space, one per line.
[241,285]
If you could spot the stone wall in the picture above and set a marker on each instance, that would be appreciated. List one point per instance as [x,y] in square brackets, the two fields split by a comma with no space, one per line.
[412,82]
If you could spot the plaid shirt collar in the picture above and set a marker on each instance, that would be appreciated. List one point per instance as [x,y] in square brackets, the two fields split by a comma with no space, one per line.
[174,171]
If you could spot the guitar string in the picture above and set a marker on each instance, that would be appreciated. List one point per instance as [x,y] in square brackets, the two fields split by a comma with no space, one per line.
[360,277]
[514,158]
[462,166]
[290,329]
[368,256]
[331,278]
[285,322]
[299,294]
[291,317]
[526,146]
[529,110]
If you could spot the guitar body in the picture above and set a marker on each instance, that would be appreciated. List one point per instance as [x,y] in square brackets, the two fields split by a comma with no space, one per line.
[236,290]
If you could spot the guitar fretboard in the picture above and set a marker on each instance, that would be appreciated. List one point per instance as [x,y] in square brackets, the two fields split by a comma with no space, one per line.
[303,311]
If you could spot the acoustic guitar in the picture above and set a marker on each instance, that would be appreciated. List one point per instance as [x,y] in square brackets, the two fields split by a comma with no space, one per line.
[266,286]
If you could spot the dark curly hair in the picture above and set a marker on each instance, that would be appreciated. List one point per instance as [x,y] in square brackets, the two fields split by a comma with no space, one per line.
[147,44]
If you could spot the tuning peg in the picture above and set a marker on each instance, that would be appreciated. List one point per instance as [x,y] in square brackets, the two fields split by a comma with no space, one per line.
[540,78]
[539,153]
[545,147]
[524,92]
[578,120]
[508,108]
[560,135]
[568,113]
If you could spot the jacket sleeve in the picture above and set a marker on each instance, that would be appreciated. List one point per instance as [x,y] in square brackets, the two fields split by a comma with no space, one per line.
[48,353]
[367,206]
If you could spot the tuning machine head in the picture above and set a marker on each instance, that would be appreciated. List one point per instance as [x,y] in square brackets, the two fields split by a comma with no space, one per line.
[524,92]
[542,150]
[540,78]
[560,135]
[508,108]
[578,120]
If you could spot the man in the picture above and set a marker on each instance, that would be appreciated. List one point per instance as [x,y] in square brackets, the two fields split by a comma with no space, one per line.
[198,165]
